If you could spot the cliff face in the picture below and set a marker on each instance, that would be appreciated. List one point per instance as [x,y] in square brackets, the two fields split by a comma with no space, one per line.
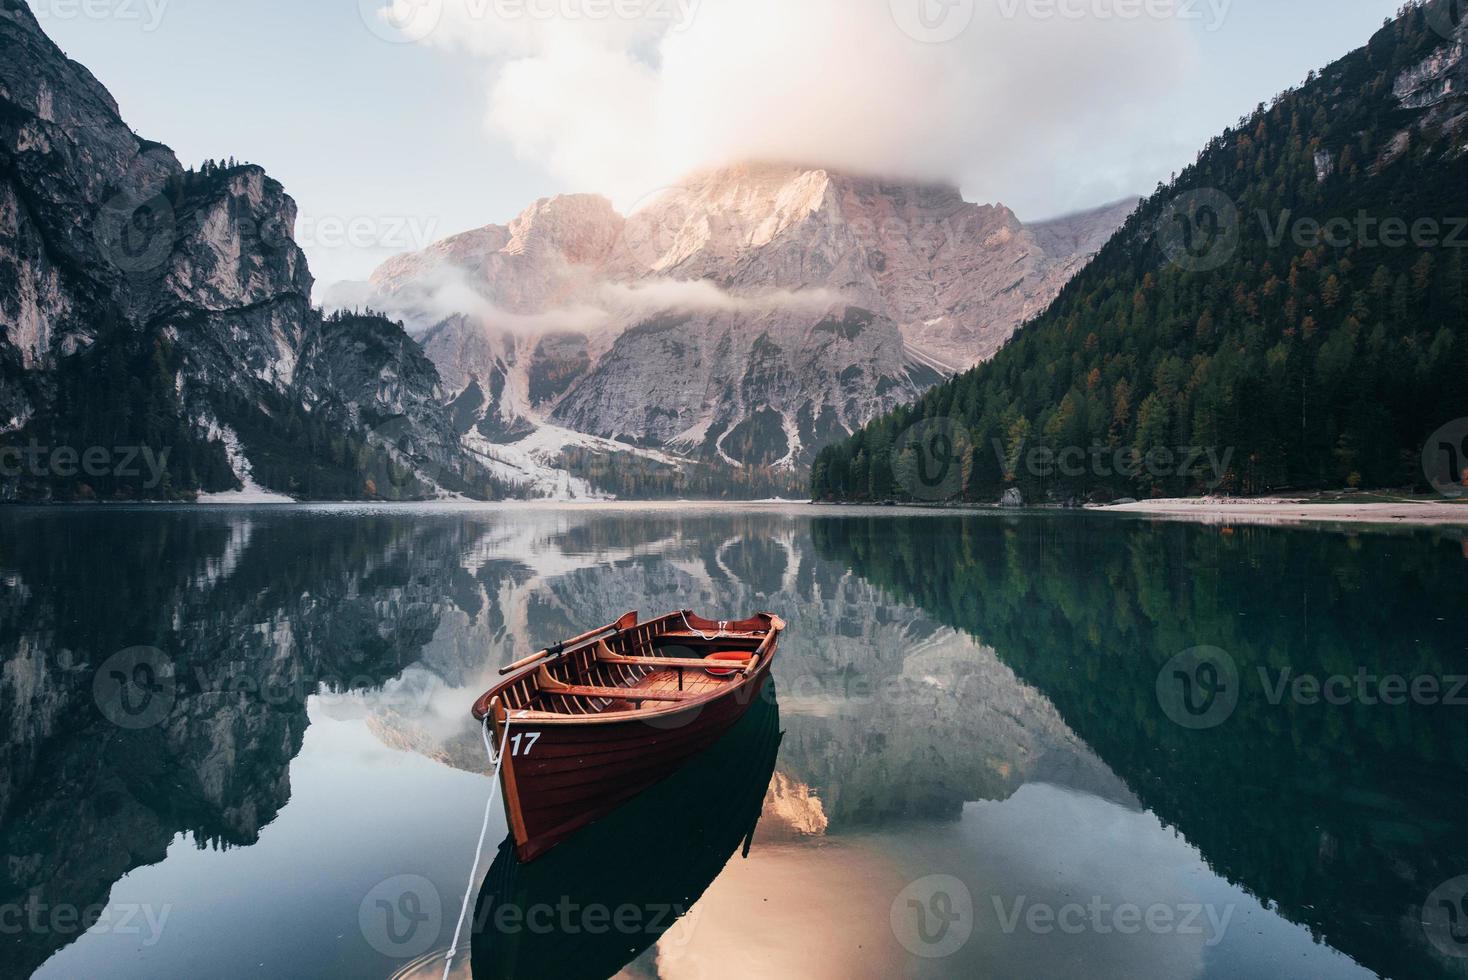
[147,304]
[956,278]
[748,316]
[55,271]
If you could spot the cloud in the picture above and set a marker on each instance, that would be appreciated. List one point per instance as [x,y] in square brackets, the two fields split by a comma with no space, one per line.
[436,292]
[444,290]
[1031,97]
[701,296]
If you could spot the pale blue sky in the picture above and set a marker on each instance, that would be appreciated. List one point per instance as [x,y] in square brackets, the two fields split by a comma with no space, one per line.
[398,138]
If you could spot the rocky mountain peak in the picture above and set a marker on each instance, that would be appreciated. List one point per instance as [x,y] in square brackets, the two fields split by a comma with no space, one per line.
[715,216]
[583,229]
[746,315]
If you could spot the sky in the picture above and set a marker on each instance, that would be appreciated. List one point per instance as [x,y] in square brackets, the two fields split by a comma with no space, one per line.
[395,123]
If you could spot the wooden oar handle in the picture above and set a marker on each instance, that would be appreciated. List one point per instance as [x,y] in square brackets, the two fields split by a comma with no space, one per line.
[522,664]
[562,647]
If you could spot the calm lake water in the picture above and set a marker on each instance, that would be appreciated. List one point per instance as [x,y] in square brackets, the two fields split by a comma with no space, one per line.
[237,744]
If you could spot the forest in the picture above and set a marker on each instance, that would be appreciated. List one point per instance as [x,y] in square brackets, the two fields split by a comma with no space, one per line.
[1293,302]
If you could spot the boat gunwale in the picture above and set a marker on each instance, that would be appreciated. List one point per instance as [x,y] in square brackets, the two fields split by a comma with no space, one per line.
[764,654]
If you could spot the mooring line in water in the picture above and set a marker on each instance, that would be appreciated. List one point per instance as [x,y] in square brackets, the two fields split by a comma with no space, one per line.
[496,761]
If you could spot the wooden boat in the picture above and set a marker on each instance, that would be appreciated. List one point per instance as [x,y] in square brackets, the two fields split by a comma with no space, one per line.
[593,721]
[704,814]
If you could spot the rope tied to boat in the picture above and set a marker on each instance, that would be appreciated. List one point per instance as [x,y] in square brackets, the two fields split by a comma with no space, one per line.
[723,629]
[496,761]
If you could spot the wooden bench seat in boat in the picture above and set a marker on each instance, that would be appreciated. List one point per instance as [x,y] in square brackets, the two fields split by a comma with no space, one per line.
[624,693]
[606,656]
[550,685]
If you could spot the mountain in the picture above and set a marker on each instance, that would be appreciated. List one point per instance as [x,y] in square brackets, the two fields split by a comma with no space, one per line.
[153,313]
[1290,309]
[746,317]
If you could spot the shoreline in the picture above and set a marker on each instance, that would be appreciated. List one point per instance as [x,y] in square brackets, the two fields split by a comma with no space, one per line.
[1275,510]
[1294,510]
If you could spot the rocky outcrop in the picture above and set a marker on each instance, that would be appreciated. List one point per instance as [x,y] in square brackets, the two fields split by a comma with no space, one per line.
[1079,236]
[54,267]
[1433,89]
[750,315]
[1438,78]
[365,374]
[171,308]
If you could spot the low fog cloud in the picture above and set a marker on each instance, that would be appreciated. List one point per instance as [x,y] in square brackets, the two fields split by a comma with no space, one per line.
[437,292]
[701,296]
[442,291]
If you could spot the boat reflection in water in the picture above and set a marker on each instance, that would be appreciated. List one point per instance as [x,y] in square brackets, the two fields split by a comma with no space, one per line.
[600,899]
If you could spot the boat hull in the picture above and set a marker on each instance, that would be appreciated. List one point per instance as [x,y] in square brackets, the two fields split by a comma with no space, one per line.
[715,801]
[561,777]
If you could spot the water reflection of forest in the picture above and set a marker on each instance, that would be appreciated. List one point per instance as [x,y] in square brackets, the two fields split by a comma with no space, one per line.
[1344,817]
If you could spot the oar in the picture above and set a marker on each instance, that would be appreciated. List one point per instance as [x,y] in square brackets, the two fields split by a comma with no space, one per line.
[565,646]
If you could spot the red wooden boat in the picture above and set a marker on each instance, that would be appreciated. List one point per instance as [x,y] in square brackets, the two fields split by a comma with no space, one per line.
[591,722]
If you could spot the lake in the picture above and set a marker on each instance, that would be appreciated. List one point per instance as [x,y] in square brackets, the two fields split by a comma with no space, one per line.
[237,744]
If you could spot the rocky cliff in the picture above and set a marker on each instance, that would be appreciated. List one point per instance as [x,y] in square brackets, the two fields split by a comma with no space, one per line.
[145,304]
[748,316]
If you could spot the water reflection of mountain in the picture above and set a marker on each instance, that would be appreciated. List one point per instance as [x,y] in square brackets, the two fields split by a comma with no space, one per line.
[930,662]
[1344,817]
[889,714]
[252,615]
[404,613]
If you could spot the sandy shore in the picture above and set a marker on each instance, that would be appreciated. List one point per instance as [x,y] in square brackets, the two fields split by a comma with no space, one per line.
[1294,510]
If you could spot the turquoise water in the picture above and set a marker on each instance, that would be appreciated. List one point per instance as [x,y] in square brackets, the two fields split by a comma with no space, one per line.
[238,744]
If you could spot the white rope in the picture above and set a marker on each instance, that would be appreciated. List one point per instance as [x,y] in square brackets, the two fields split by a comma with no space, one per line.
[497,761]
[707,639]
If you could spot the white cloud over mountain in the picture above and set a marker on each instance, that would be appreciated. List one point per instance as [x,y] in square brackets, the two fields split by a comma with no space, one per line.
[1032,101]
